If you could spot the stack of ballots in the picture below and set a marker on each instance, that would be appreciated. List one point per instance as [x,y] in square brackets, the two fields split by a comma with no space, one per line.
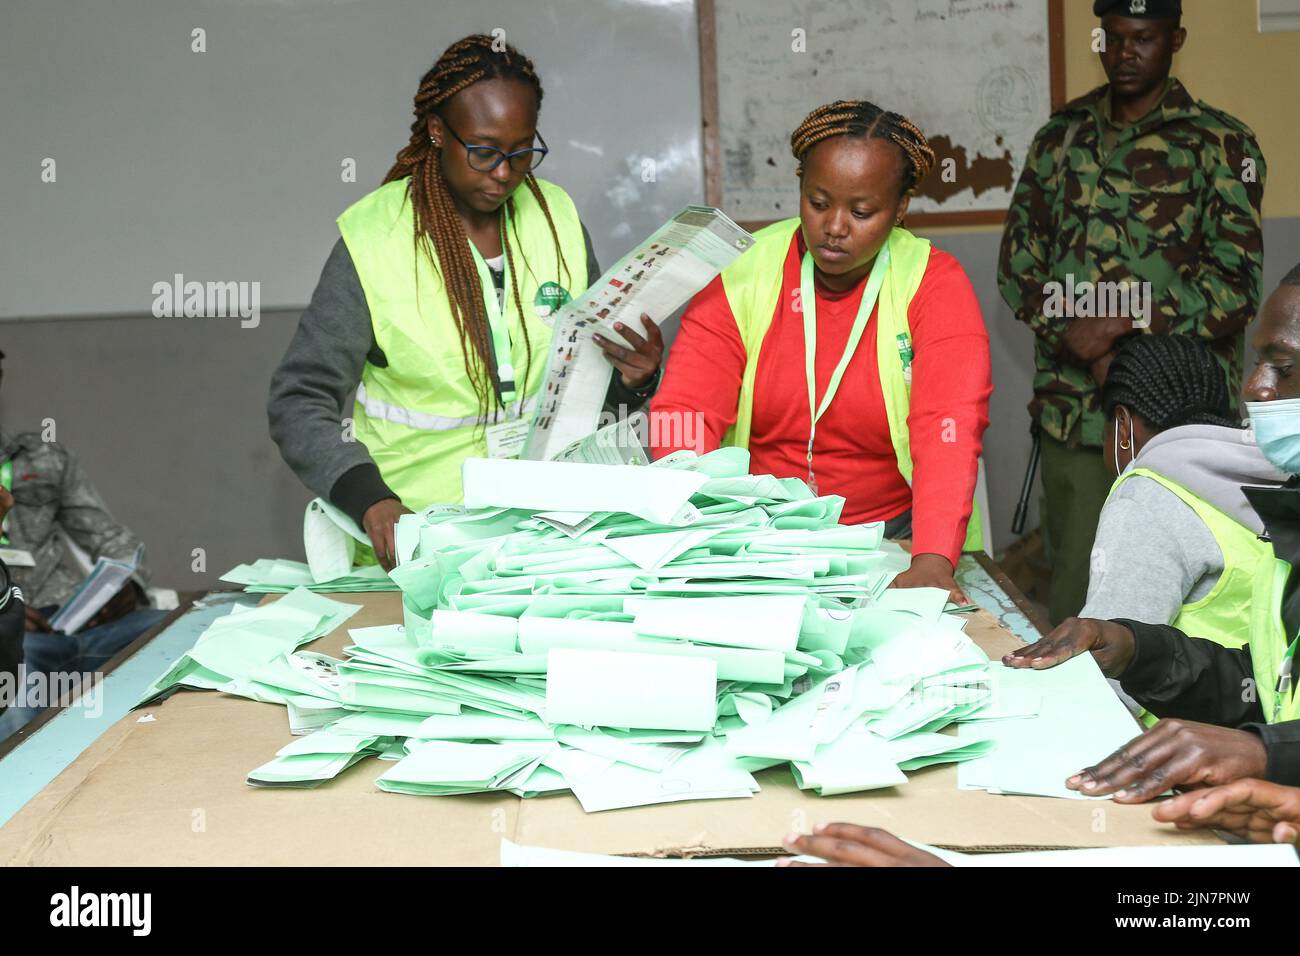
[330,538]
[633,634]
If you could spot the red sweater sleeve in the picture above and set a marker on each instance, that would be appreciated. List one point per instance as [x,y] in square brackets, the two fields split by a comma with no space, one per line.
[696,402]
[951,384]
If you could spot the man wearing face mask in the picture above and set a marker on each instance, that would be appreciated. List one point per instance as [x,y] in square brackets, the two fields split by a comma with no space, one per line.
[1235,710]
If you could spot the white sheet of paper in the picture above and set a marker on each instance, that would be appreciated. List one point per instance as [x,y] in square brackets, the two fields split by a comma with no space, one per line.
[660,496]
[649,551]
[766,622]
[330,549]
[17,558]
[1246,854]
[1080,722]
[616,689]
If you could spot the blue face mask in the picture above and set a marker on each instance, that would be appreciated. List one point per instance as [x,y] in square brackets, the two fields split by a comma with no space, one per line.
[1277,432]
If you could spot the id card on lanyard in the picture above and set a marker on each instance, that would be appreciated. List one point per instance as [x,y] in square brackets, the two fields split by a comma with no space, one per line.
[808,301]
[504,439]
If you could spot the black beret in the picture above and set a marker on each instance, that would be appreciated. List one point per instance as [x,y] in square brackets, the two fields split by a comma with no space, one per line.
[1139,9]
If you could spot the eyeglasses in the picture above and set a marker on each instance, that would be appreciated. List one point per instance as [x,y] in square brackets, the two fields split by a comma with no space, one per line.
[487,158]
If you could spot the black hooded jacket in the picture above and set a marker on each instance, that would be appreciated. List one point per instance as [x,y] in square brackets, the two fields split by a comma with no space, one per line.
[1187,677]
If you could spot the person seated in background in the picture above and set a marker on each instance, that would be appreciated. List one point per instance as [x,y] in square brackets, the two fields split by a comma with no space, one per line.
[45,492]
[1177,543]
[1254,810]
[1236,708]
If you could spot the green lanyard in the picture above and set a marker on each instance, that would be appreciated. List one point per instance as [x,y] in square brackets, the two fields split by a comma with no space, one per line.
[6,479]
[1283,688]
[808,302]
[497,322]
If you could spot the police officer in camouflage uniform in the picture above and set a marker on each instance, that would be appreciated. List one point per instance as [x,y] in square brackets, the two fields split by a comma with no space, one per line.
[1134,183]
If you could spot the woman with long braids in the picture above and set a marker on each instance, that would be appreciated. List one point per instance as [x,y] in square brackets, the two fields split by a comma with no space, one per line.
[846,351]
[428,327]
[1177,542]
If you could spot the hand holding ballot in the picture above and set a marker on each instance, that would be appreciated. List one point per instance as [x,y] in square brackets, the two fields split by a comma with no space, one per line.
[931,571]
[118,606]
[639,363]
[380,522]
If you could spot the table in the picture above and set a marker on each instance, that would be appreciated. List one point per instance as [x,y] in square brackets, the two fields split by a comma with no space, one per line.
[165,785]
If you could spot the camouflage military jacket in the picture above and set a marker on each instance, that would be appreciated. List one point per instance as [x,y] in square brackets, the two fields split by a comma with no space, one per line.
[1172,200]
[51,492]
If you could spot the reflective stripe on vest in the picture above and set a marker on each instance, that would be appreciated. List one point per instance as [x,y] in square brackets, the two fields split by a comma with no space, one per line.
[753,285]
[419,416]
[376,408]
[1268,642]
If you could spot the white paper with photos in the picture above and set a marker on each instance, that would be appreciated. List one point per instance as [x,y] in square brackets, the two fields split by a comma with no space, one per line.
[656,278]
[615,444]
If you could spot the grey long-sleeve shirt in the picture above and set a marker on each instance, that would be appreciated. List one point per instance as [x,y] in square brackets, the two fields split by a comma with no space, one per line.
[313,388]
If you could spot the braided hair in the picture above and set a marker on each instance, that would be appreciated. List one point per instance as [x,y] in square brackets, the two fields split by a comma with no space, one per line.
[439,231]
[860,118]
[1168,380]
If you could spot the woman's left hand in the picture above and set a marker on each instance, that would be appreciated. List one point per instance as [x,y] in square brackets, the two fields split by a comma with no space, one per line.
[931,571]
[640,362]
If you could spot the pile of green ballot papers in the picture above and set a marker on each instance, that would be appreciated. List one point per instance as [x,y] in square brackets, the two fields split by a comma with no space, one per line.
[278,576]
[330,539]
[632,634]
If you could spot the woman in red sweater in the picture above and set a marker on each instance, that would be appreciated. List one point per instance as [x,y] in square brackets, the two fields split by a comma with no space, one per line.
[891,413]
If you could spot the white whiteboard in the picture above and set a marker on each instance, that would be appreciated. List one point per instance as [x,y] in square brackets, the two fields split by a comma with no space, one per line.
[226,165]
[973,74]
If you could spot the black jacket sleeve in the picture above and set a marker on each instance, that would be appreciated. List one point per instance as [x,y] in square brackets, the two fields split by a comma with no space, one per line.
[1190,678]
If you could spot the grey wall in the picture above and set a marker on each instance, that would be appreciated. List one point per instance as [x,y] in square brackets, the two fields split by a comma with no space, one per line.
[169,417]
[226,165]
[1006,443]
